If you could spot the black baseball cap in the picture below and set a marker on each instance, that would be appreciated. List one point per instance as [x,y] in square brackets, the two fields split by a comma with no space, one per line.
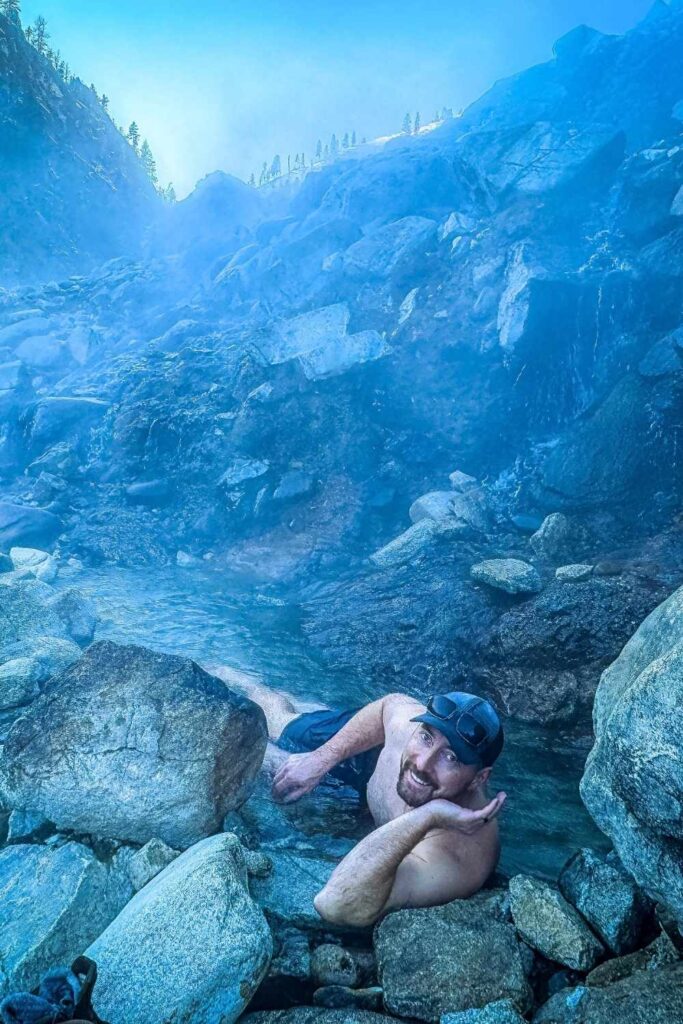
[470,724]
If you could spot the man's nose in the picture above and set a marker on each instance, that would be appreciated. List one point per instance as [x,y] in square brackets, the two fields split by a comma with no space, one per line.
[423,761]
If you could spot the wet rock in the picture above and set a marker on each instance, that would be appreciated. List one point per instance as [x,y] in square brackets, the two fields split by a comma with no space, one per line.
[451,512]
[190,946]
[388,250]
[634,773]
[407,546]
[6,564]
[334,966]
[64,418]
[243,470]
[27,826]
[339,997]
[353,350]
[646,996]
[608,898]
[447,959]
[316,1015]
[503,1011]
[659,952]
[181,746]
[573,573]
[23,524]
[147,862]
[30,664]
[286,894]
[558,538]
[79,896]
[39,563]
[508,574]
[549,924]
[288,980]
[77,612]
[462,481]
[541,661]
[154,493]
[294,484]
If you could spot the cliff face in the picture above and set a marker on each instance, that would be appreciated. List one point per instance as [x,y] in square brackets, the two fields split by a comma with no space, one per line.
[72,191]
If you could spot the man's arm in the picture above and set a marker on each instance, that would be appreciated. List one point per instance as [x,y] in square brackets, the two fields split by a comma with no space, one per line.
[302,772]
[397,866]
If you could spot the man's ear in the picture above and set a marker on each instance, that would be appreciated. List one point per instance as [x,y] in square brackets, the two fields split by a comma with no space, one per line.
[481,778]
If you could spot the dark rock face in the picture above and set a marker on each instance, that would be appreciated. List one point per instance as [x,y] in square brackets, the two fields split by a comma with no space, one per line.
[67,172]
[542,660]
[652,996]
[129,744]
[451,958]
[25,525]
[608,898]
[634,774]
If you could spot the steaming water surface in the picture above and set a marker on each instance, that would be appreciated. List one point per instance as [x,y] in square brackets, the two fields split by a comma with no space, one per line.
[209,616]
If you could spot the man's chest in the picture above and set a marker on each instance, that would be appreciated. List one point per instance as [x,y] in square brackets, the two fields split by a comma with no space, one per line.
[384,803]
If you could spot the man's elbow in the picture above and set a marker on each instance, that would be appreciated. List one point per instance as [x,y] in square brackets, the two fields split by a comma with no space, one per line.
[338,912]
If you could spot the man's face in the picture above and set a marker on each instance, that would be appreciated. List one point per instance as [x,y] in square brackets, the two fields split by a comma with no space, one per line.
[430,770]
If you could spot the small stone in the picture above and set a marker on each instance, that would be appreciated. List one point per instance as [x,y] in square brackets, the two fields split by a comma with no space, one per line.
[501,1012]
[462,481]
[609,899]
[509,574]
[407,546]
[549,924]
[259,865]
[293,485]
[333,966]
[340,997]
[149,861]
[659,952]
[77,612]
[557,538]
[573,573]
[39,563]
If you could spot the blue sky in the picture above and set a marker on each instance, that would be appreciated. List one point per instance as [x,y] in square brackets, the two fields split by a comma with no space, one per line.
[225,84]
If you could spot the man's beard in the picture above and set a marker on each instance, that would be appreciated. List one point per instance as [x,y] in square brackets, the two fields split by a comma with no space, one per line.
[407,789]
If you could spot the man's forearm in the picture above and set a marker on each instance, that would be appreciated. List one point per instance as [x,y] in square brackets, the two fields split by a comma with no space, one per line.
[361,884]
[362,732]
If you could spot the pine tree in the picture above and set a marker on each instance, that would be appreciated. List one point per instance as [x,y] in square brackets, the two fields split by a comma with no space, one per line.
[407,124]
[276,167]
[169,193]
[334,145]
[326,152]
[148,162]
[28,32]
[319,150]
[264,173]
[345,141]
[40,34]
[12,10]
[133,136]
[104,100]
[353,138]
[252,180]
[417,123]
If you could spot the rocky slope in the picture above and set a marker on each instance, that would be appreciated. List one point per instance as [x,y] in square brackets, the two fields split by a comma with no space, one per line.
[72,192]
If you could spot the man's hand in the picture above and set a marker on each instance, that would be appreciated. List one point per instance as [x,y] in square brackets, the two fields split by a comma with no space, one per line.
[445,814]
[299,775]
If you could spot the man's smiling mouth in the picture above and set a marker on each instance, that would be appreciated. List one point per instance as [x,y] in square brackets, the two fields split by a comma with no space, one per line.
[418,782]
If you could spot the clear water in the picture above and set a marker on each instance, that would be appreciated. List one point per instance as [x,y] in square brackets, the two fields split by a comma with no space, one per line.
[209,616]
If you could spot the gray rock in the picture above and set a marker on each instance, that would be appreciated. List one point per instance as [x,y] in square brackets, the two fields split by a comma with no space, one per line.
[294,484]
[557,539]
[190,946]
[157,748]
[573,573]
[288,979]
[462,481]
[448,959]
[77,612]
[407,546]
[351,351]
[65,418]
[23,524]
[146,863]
[549,924]
[634,774]
[333,965]
[316,1015]
[339,996]
[608,898]
[154,493]
[78,897]
[508,574]
[646,997]
[30,664]
[389,249]
[503,1011]
[243,470]
[39,563]
[659,952]
[27,826]
[451,512]
[286,894]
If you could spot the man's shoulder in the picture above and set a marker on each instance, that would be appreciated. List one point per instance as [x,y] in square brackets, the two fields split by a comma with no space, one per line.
[399,710]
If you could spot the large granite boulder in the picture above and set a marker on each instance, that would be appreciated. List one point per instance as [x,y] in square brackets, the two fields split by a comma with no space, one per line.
[501,1012]
[286,893]
[549,924]
[608,898]
[451,958]
[191,946]
[646,997]
[135,745]
[633,780]
[54,902]
[316,1015]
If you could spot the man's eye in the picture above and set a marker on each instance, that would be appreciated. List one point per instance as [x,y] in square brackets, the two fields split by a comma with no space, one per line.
[425,736]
